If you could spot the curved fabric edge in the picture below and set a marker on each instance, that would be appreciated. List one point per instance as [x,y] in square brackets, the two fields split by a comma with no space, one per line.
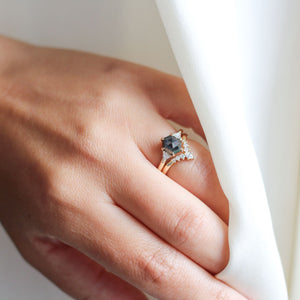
[208,55]
[294,286]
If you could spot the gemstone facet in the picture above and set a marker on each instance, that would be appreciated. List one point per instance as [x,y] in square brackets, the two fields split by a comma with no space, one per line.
[172,143]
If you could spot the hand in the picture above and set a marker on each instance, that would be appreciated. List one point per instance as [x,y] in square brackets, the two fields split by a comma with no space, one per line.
[81,196]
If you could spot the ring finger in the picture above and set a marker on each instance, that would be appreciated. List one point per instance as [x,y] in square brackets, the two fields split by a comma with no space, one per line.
[173,213]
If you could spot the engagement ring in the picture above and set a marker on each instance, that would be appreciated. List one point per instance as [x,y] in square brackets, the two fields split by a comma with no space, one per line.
[174,148]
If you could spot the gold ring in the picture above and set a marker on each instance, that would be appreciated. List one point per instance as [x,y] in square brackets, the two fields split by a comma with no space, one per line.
[174,148]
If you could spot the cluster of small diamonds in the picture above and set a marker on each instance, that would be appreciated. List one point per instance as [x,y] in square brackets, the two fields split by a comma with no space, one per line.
[187,153]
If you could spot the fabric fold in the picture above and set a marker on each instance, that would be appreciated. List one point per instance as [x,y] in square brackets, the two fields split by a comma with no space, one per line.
[205,39]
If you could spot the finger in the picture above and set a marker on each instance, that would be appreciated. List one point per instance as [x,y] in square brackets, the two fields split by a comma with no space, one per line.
[169,95]
[173,213]
[76,274]
[128,249]
[197,176]
[200,178]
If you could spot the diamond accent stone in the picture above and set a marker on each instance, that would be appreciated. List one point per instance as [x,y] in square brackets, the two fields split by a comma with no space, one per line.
[166,155]
[177,134]
[189,155]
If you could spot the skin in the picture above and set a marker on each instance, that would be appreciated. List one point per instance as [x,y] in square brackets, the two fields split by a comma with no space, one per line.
[80,193]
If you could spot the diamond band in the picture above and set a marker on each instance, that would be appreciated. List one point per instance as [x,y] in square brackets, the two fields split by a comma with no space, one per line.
[174,148]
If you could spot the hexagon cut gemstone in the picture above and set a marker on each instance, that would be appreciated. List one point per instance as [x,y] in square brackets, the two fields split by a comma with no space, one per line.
[172,144]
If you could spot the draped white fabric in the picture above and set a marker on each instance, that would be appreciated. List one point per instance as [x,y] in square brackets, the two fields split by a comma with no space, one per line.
[233,56]
[294,286]
[240,60]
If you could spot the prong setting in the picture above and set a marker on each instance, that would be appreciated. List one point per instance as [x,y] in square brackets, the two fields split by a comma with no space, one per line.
[176,148]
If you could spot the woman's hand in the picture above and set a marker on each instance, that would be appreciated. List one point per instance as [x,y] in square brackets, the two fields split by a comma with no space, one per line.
[80,194]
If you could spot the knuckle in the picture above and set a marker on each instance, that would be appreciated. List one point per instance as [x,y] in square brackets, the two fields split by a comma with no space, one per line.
[158,268]
[221,295]
[87,129]
[202,163]
[122,77]
[60,195]
[187,226]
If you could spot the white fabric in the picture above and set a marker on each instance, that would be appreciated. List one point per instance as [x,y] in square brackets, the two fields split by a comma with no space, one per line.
[229,55]
[240,62]
[295,286]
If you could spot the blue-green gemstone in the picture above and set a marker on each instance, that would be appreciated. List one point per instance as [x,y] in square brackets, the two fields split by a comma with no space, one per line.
[172,143]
